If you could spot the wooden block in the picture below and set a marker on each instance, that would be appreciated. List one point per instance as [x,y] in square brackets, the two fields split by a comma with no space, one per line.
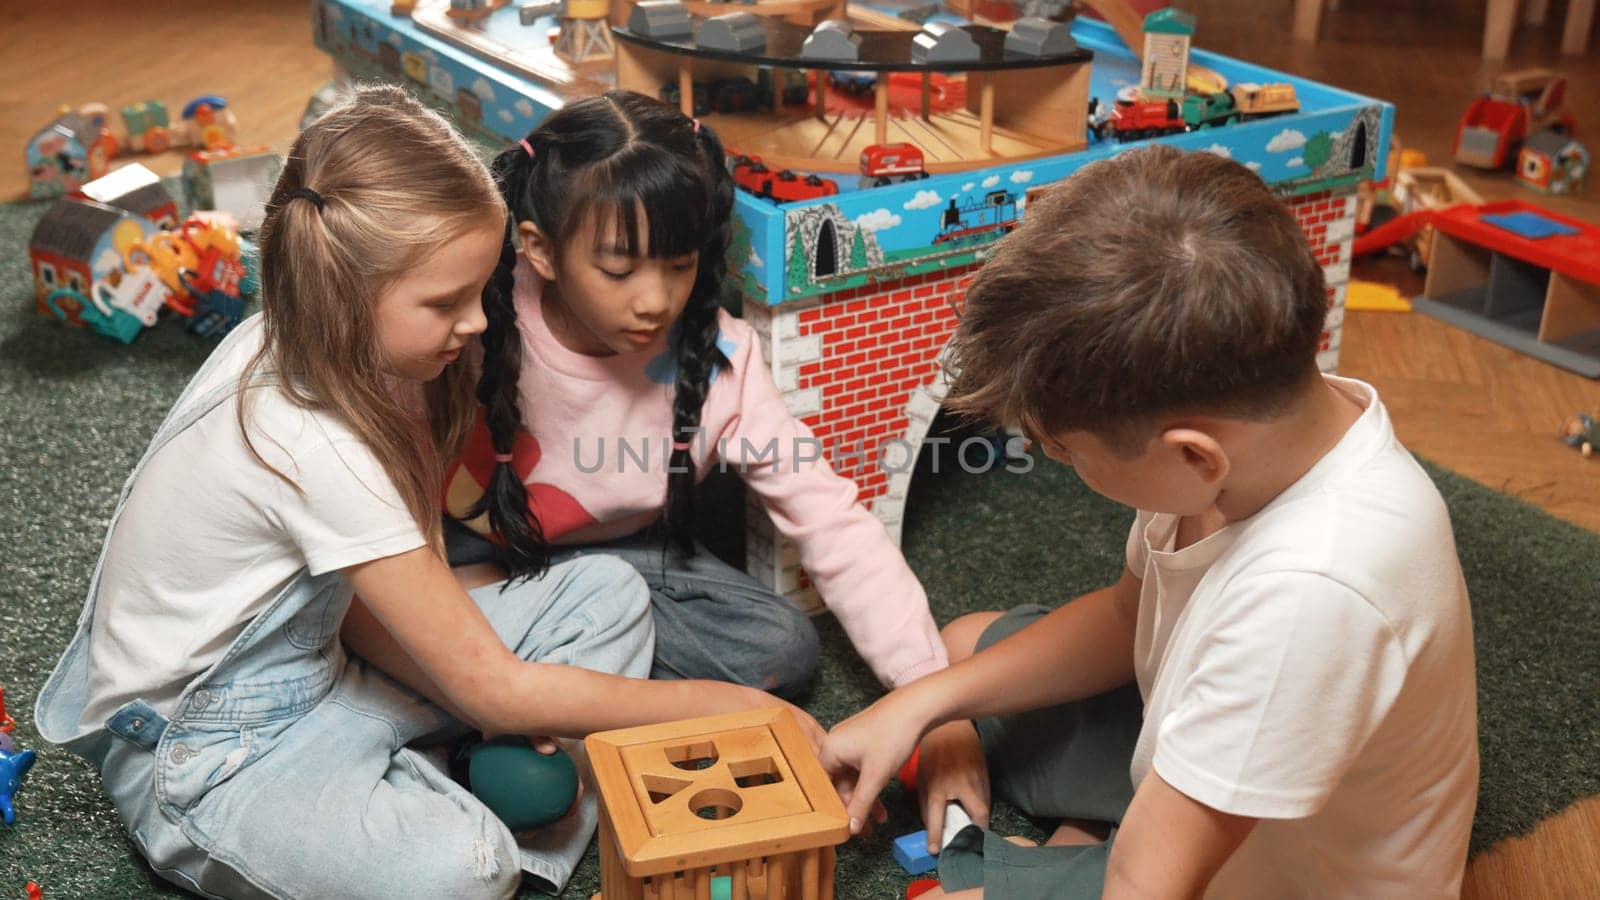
[739,794]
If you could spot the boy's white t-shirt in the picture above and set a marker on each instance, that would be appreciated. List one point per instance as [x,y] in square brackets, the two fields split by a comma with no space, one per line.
[209,536]
[1312,666]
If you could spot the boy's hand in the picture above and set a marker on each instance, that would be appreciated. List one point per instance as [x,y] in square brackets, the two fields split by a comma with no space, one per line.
[864,751]
[952,767]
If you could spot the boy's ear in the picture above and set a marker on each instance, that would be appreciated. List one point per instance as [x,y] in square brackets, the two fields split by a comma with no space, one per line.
[538,249]
[1202,452]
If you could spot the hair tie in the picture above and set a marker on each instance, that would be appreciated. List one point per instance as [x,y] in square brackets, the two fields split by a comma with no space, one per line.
[305,193]
[696,126]
[502,457]
[527,147]
[681,445]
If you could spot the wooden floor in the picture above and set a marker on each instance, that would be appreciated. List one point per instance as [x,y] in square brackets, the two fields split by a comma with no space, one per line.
[1472,406]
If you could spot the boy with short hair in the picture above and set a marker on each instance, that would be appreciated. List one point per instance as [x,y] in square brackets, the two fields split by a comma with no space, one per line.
[1292,611]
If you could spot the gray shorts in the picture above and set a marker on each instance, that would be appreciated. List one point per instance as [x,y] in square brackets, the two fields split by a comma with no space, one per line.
[1066,761]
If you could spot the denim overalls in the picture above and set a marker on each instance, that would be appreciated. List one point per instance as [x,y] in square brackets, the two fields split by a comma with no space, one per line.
[284,770]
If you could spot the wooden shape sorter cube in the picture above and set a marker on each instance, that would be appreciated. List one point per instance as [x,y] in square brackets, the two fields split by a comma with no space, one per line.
[738,796]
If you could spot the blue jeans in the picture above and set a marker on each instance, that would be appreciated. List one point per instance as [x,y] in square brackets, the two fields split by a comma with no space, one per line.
[284,771]
[712,620]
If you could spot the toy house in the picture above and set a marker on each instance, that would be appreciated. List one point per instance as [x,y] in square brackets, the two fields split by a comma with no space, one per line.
[137,190]
[1553,163]
[237,180]
[738,799]
[76,249]
[1167,33]
[65,154]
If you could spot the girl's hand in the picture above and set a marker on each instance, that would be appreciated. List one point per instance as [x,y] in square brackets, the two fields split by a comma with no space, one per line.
[864,751]
[726,697]
[952,767]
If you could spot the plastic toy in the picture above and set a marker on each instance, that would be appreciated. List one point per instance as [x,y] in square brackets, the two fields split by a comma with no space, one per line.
[237,180]
[206,121]
[738,796]
[911,852]
[34,891]
[1518,104]
[907,776]
[6,725]
[1581,431]
[919,887]
[67,153]
[137,190]
[1552,162]
[523,787]
[147,127]
[209,123]
[14,767]
[76,245]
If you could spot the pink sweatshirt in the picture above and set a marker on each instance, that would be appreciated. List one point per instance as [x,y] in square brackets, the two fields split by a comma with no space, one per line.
[594,461]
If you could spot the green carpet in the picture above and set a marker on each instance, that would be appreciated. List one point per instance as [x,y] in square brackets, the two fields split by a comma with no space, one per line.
[77,411]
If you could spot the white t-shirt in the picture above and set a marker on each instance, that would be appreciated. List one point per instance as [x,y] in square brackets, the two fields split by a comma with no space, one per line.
[209,537]
[1312,666]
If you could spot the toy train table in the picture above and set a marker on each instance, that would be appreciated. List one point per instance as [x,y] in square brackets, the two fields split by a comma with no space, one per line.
[881,165]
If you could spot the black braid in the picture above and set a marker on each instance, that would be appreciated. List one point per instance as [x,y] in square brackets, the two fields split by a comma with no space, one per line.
[624,151]
[697,351]
[526,552]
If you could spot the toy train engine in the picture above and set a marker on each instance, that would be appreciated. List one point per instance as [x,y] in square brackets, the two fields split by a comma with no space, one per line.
[1209,110]
[984,219]
[1134,116]
[890,163]
[786,186]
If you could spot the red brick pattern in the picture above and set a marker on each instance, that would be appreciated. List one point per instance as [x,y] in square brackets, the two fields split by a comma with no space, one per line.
[877,347]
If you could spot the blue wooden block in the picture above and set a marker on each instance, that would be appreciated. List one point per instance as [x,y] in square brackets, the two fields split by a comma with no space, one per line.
[911,852]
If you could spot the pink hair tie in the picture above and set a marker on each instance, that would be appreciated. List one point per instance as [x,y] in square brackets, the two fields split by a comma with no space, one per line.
[681,445]
[527,147]
[696,126]
[502,457]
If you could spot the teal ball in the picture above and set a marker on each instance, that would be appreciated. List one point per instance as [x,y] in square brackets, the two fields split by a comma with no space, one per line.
[523,787]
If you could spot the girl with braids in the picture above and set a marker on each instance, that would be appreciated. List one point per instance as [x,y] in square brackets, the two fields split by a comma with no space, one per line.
[247,755]
[612,381]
